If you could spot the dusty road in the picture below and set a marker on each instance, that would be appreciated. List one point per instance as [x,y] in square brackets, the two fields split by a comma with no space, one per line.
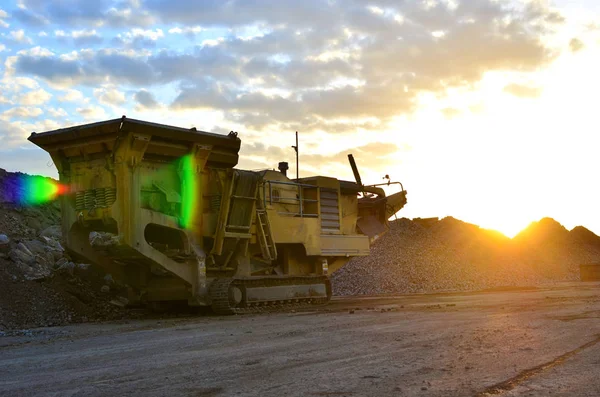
[537,342]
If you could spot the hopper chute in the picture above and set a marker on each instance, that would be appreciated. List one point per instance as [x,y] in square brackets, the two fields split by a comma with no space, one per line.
[164,142]
[374,207]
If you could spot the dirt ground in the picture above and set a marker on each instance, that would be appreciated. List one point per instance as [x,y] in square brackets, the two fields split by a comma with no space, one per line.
[532,342]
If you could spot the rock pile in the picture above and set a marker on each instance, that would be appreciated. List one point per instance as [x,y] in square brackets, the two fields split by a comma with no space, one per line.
[451,255]
[39,283]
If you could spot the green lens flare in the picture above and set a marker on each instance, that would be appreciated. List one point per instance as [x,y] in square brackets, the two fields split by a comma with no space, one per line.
[188,191]
[38,190]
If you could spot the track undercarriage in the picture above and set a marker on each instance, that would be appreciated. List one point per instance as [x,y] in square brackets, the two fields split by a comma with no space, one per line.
[267,294]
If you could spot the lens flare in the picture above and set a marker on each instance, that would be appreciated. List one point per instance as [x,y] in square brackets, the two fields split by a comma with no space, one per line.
[188,191]
[33,190]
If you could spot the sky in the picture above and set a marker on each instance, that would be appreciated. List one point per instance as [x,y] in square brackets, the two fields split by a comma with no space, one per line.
[485,110]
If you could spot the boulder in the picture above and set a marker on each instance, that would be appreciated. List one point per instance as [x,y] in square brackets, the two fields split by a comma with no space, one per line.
[66,268]
[52,232]
[36,247]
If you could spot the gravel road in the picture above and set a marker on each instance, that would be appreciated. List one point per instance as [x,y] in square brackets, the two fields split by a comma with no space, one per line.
[537,342]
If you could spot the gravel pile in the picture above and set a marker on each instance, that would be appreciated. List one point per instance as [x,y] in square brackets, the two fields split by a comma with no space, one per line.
[451,255]
[39,283]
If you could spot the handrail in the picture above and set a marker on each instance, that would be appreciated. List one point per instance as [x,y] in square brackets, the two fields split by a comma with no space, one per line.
[387,184]
[290,183]
[300,200]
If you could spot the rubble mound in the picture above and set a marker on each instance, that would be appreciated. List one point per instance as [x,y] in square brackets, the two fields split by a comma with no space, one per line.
[451,255]
[39,283]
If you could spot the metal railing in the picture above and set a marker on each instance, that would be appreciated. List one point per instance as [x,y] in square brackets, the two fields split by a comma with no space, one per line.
[299,200]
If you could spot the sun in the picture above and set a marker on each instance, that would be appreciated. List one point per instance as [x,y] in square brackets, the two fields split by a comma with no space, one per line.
[508,225]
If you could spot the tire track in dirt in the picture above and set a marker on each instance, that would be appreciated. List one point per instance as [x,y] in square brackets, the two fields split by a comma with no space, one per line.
[509,384]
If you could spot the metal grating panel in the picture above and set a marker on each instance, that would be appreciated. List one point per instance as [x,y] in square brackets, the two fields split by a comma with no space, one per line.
[330,213]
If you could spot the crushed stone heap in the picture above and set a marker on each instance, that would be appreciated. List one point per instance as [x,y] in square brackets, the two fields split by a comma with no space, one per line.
[451,255]
[39,283]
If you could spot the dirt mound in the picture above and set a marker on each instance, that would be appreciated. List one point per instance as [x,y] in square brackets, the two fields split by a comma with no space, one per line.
[582,235]
[451,255]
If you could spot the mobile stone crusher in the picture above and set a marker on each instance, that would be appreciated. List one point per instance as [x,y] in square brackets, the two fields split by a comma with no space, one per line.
[184,225]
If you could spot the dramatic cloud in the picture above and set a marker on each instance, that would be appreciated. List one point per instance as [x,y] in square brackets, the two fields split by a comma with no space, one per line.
[284,63]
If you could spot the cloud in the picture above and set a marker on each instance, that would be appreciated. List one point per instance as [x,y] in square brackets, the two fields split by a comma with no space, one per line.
[523,91]
[139,38]
[3,15]
[14,134]
[71,96]
[57,112]
[264,156]
[284,63]
[96,13]
[19,37]
[86,37]
[93,69]
[109,96]
[576,45]
[231,13]
[145,100]
[2,47]
[22,112]
[450,113]
[37,97]
[190,31]
[93,113]
[16,84]
[81,37]
[11,134]
[30,18]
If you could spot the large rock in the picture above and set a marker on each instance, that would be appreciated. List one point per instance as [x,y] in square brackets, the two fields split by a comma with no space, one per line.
[53,232]
[103,239]
[36,247]
[52,243]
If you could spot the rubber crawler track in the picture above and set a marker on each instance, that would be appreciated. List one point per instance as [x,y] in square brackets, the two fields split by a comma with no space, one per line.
[219,294]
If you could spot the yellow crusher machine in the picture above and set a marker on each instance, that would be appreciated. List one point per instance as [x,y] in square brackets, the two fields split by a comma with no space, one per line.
[184,225]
